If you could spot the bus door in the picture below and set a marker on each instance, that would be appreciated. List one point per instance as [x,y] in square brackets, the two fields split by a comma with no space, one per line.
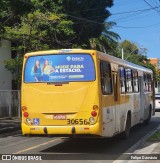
[141,88]
[115,96]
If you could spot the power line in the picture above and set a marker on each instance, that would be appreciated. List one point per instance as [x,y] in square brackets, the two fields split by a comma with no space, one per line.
[147,3]
[86,10]
[150,6]
[91,21]
[120,13]
[130,17]
[133,11]
[124,3]
[147,9]
[95,22]
[127,12]
[154,2]
[139,26]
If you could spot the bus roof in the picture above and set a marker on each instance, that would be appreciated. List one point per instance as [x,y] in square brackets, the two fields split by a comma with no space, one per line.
[100,55]
[122,62]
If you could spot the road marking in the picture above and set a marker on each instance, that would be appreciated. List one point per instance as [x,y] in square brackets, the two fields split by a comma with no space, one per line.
[28,149]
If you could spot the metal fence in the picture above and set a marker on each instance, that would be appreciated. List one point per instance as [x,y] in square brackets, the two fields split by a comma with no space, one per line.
[10,103]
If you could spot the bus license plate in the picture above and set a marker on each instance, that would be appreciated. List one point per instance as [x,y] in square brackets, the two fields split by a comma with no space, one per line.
[59,117]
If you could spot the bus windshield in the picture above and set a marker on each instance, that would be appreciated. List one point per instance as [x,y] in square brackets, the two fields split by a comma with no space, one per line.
[59,68]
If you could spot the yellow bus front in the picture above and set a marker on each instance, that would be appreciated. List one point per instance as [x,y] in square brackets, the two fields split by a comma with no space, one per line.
[60,93]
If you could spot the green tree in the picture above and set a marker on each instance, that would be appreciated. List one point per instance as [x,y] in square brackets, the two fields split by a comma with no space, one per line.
[107,41]
[88,17]
[136,54]
[52,24]
[41,26]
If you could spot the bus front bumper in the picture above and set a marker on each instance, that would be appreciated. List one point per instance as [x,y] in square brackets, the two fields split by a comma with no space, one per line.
[62,130]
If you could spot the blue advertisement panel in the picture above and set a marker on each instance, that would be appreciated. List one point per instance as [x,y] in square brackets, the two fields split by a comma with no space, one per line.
[59,68]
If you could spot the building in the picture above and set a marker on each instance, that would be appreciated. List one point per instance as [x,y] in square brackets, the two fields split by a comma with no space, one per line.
[5,75]
[156,63]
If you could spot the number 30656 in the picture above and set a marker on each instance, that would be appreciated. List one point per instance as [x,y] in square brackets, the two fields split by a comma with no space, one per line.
[77,121]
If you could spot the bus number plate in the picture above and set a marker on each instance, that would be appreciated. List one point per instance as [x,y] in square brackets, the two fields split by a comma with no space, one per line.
[77,121]
[59,117]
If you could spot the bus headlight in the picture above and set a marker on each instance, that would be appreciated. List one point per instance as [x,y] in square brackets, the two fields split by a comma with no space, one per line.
[28,120]
[92,120]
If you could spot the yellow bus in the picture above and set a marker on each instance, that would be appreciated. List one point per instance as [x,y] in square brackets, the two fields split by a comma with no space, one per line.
[75,92]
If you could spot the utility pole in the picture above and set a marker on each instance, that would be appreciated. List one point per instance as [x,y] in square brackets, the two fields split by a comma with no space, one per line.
[122,54]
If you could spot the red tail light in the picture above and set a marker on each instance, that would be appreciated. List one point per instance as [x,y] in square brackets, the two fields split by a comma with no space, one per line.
[25,114]
[94,113]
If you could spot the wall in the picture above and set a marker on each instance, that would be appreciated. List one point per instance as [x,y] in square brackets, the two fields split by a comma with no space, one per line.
[154,61]
[5,75]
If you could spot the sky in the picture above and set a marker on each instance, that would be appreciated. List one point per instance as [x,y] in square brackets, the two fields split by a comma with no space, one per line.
[141,27]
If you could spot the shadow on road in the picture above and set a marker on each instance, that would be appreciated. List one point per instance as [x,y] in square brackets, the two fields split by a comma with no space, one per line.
[98,148]
[85,149]
[113,145]
[83,145]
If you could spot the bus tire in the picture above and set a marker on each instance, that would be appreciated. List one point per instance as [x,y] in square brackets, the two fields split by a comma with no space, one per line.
[147,121]
[126,132]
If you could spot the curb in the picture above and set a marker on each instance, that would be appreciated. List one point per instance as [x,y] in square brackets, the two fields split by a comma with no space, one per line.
[135,146]
[141,141]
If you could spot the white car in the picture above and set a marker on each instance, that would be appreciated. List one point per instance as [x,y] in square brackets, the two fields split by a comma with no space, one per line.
[157,102]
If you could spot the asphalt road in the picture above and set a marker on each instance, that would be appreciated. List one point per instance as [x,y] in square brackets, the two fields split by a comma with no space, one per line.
[70,149]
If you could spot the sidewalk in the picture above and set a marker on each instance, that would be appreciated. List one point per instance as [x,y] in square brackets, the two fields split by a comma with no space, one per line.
[9,124]
[149,147]
[145,150]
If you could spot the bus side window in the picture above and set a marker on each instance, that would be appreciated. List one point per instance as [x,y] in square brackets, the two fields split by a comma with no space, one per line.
[106,81]
[122,79]
[145,78]
[149,83]
[129,80]
[135,81]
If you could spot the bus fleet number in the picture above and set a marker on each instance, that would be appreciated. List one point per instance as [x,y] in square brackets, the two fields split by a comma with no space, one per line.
[77,121]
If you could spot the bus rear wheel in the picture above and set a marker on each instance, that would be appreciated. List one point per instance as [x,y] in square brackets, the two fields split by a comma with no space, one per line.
[147,121]
[126,132]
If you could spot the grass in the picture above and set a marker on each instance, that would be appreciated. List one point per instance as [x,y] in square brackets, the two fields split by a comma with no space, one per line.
[155,136]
